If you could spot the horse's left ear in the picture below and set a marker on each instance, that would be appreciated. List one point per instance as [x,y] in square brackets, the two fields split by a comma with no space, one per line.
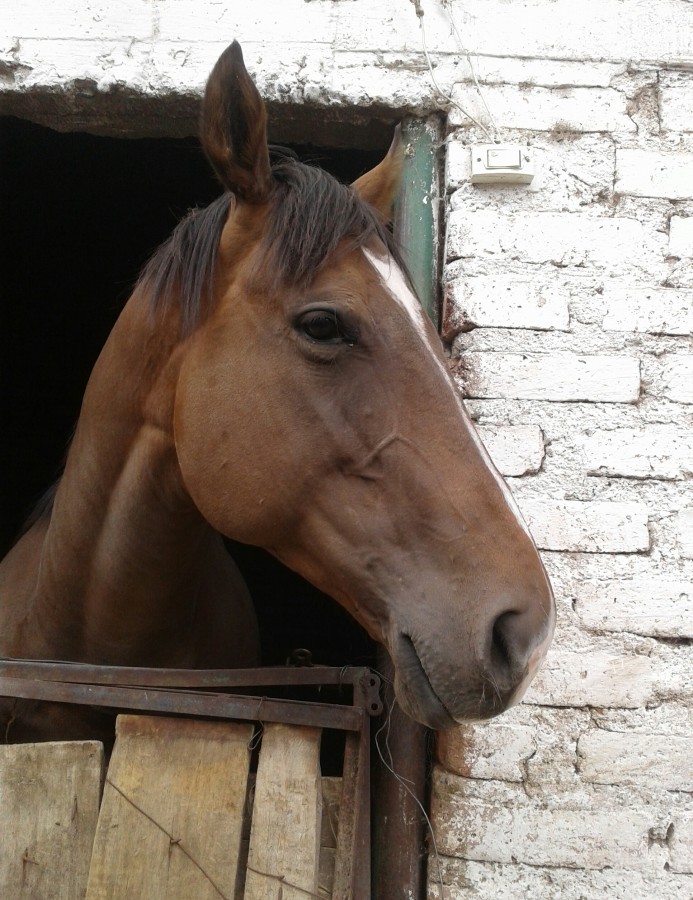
[233,128]
[379,186]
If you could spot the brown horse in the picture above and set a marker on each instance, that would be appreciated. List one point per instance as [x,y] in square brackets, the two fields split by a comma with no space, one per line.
[273,379]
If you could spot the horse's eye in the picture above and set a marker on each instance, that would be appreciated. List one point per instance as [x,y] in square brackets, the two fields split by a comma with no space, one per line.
[321,325]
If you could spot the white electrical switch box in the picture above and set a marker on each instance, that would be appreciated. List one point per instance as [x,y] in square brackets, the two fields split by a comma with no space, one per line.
[501,164]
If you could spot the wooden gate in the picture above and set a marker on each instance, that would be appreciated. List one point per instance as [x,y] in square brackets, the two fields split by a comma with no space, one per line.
[190,808]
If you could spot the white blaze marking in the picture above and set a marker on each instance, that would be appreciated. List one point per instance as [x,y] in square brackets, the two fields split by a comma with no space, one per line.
[396,285]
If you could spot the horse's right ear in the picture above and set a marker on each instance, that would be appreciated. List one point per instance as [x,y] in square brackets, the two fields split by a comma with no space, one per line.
[233,128]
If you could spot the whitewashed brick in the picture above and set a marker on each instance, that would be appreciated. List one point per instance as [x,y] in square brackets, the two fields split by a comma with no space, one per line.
[646,760]
[651,173]
[79,21]
[495,750]
[272,23]
[676,379]
[556,376]
[593,678]
[507,302]
[676,101]
[652,310]
[587,526]
[471,880]
[658,451]
[471,823]
[563,239]
[579,30]
[515,449]
[543,109]
[682,843]
[545,72]
[681,236]
[684,531]
[651,606]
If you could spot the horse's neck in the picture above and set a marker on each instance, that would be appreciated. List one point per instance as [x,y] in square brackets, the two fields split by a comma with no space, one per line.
[121,553]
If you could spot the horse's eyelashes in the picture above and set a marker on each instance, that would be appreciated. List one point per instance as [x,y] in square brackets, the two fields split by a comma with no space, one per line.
[324,326]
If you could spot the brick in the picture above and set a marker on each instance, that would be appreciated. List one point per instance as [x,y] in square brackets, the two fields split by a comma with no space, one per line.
[648,606]
[77,21]
[471,880]
[556,376]
[682,842]
[676,378]
[651,310]
[657,451]
[487,751]
[507,302]
[563,239]
[592,526]
[643,760]
[471,823]
[651,173]
[684,531]
[579,30]
[676,101]
[515,449]
[545,72]
[543,109]
[263,20]
[681,236]
[593,678]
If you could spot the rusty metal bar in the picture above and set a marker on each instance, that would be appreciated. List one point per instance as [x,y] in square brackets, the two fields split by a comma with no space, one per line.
[85,673]
[399,833]
[190,703]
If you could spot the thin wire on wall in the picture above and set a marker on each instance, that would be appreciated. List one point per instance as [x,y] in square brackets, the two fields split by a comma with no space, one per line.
[491,132]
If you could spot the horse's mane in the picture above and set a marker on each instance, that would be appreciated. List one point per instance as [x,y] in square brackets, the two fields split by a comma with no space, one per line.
[311,215]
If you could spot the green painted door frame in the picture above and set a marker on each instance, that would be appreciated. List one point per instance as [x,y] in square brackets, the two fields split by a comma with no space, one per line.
[417,212]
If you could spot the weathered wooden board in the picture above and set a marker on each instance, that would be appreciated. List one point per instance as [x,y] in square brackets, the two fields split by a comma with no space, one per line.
[49,804]
[331,796]
[284,852]
[172,810]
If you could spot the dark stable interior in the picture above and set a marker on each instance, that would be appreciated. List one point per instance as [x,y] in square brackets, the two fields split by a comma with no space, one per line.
[81,216]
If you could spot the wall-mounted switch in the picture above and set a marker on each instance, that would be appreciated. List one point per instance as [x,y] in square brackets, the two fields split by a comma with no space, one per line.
[501,164]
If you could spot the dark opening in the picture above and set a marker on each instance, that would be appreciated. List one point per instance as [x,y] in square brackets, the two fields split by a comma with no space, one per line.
[82,214]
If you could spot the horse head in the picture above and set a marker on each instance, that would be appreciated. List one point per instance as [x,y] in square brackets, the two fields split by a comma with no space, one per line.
[315,417]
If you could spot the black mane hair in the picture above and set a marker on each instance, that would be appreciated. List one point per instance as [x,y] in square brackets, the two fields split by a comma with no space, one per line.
[311,215]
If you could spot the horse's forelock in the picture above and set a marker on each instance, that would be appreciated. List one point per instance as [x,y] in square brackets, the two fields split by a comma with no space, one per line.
[312,215]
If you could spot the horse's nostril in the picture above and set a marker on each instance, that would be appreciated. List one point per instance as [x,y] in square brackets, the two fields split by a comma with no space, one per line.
[503,653]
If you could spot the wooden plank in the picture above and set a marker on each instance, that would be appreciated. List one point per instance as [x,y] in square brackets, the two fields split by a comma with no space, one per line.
[331,796]
[283,857]
[49,804]
[171,817]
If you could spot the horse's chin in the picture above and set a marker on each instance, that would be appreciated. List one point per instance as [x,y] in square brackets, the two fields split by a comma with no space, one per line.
[414,691]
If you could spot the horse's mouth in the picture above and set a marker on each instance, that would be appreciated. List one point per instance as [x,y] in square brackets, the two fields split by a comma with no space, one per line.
[413,688]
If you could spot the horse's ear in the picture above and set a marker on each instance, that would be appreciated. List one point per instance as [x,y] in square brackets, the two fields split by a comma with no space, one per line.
[379,186]
[233,128]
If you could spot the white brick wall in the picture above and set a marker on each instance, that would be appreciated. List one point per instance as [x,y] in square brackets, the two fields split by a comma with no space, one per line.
[572,304]
[569,308]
